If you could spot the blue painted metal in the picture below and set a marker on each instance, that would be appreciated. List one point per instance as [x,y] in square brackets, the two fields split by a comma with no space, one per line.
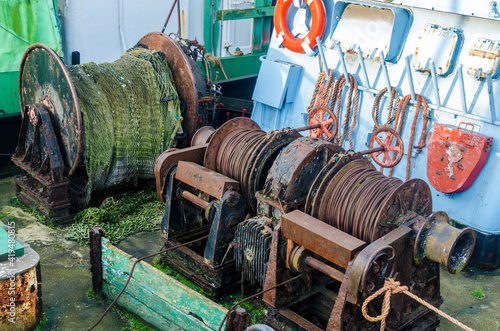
[350,28]
[277,82]
[462,87]
[463,98]
[410,78]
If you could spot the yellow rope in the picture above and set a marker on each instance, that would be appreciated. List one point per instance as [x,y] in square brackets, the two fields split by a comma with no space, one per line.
[215,61]
[393,287]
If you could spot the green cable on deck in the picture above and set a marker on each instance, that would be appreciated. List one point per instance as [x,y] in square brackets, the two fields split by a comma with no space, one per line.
[126,123]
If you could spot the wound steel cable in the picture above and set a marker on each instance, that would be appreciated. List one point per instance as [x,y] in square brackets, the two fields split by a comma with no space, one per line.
[236,155]
[355,201]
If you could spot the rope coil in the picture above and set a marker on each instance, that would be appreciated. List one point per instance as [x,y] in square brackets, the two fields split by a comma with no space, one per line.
[398,124]
[376,108]
[393,287]
[337,99]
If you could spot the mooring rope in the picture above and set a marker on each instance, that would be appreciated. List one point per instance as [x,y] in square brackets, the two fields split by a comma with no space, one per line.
[398,124]
[393,287]
[215,61]
[376,108]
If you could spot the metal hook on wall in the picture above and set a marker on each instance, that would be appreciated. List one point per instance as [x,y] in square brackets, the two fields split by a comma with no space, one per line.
[322,54]
[386,72]
[410,79]
[363,67]
[342,61]
[462,88]
[435,83]
[489,81]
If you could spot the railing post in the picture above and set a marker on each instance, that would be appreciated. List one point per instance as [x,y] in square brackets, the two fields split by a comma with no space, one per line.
[95,237]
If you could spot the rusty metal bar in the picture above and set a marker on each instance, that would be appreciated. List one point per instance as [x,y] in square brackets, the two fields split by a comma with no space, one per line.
[327,241]
[324,268]
[194,199]
[205,180]
[308,127]
[168,17]
[95,236]
[373,150]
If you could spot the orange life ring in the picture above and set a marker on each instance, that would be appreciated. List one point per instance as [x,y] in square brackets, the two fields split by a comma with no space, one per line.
[300,45]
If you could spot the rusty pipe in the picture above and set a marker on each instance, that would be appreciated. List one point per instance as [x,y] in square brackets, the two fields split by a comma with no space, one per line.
[373,150]
[450,246]
[194,199]
[324,268]
[308,127]
[443,243]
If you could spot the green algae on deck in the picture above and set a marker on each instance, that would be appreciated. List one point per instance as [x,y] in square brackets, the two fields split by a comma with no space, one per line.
[157,298]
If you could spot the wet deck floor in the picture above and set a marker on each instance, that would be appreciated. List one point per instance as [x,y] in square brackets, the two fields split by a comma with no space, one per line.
[66,278]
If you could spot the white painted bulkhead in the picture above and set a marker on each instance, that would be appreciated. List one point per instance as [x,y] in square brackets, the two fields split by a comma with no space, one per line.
[473,21]
[103,30]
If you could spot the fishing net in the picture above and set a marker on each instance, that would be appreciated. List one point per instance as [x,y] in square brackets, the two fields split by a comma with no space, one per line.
[119,218]
[131,113]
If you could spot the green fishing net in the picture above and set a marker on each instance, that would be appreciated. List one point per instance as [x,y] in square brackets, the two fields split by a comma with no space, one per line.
[131,113]
[119,218]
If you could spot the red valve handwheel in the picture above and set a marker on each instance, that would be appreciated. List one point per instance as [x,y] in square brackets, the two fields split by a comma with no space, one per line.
[384,137]
[328,121]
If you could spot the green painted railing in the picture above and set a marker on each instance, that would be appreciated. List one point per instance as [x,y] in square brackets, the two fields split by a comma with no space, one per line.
[247,64]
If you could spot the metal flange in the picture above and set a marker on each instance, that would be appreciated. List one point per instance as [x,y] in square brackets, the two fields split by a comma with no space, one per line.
[188,78]
[238,123]
[44,79]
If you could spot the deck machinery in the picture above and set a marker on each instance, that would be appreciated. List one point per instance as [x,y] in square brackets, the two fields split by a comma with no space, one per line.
[276,205]
[57,133]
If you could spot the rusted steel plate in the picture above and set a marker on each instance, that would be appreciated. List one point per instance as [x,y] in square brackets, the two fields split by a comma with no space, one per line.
[413,195]
[238,123]
[326,241]
[204,179]
[336,318]
[397,239]
[273,273]
[44,79]
[295,167]
[187,76]
[168,159]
